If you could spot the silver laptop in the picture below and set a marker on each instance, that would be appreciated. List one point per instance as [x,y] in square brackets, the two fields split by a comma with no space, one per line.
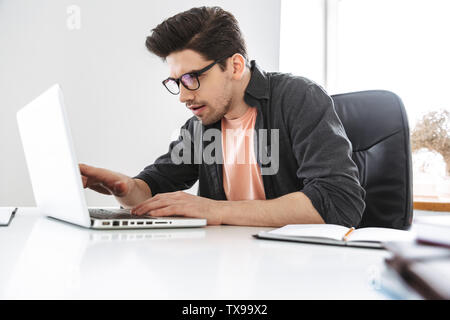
[55,176]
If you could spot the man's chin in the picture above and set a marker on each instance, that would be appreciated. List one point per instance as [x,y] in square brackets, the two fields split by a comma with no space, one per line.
[206,121]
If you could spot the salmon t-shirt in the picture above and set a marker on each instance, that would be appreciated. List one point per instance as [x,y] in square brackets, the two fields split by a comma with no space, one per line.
[242,178]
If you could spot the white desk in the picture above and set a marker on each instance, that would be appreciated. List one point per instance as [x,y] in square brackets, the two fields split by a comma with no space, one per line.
[48,259]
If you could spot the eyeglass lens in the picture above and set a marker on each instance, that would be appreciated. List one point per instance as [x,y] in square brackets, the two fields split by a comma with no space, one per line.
[188,80]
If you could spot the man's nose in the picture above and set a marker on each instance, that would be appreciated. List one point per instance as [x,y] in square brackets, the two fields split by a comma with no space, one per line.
[185,94]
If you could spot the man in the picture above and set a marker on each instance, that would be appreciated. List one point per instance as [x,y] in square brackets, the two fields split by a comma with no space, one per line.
[299,170]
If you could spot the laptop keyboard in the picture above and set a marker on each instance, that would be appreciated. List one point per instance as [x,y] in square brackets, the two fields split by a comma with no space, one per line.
[115,214]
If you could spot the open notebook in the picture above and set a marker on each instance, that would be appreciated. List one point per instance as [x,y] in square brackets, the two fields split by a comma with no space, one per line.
[337,235]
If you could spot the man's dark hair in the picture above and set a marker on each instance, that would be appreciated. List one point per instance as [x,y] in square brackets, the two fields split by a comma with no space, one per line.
[211,31]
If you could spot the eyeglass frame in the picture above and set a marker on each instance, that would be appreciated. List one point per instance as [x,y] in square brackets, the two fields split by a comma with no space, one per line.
[196,75]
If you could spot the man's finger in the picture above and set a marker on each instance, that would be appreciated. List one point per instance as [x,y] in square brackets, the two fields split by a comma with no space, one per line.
[84,180]
[99,188]
[93,172]
[166,211]
[150,205]
[145,202]
[109,179]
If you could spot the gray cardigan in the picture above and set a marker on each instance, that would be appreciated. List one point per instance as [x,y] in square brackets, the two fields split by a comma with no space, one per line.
[304,148]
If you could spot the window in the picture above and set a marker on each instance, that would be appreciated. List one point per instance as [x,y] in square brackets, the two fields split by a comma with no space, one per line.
[396,45]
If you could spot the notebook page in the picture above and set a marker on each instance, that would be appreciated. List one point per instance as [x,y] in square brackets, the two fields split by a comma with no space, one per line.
[380,235]
[330,231]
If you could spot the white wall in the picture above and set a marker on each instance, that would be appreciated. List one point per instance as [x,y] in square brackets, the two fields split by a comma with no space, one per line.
[302,43]
[121,117]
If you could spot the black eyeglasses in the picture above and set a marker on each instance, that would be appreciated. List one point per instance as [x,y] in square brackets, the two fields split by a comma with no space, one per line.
[188,80]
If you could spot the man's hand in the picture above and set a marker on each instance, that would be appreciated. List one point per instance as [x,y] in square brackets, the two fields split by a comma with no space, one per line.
[105,181]
[128,192]
[181,204]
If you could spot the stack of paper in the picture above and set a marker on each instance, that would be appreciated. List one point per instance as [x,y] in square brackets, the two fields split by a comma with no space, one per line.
[433,229]
[424,269]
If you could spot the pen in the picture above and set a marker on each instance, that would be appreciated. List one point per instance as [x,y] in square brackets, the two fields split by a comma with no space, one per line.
[348,233]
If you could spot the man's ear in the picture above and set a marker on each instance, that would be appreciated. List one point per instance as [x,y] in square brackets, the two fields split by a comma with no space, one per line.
[237,66]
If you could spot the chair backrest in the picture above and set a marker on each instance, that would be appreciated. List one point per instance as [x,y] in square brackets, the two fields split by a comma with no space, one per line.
[377,126]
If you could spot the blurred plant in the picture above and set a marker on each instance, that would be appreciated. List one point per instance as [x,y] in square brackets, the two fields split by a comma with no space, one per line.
[432,132]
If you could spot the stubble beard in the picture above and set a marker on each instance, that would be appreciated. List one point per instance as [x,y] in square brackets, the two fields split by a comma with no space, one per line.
[217,114]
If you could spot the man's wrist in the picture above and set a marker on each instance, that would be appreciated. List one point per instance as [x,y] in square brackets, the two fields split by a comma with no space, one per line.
[219,209]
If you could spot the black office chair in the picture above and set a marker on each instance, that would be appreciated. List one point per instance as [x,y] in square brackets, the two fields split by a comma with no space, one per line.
[377,126]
